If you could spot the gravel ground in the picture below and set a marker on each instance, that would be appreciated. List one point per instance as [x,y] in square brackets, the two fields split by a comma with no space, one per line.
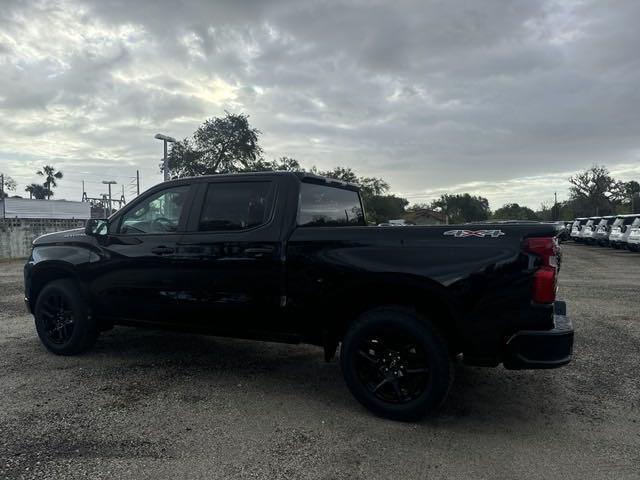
[160,405]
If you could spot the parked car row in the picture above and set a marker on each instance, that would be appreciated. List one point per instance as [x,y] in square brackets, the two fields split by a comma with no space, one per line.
[616,231]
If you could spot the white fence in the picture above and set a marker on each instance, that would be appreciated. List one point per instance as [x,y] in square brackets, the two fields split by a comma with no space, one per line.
[44,209]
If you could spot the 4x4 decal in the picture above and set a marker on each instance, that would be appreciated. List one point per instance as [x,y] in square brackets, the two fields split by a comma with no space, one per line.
[475,233]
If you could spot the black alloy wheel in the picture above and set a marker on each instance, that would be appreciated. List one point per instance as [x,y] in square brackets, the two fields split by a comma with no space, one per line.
[62,319]
[392,366]
[57,317]
[396,363]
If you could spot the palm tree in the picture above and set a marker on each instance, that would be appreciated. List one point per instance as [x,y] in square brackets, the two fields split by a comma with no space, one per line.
[51,176]
[40,192]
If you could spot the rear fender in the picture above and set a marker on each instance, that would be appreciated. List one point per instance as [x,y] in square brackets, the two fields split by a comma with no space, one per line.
[425,297]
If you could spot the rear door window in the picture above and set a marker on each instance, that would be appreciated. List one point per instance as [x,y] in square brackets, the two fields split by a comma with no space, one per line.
[236,206]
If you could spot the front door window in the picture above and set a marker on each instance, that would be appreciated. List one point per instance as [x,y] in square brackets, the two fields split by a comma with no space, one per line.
[158,214]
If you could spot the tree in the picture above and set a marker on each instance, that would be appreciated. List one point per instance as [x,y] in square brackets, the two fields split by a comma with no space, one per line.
[369,186]
[282,164]
[595,191]
[632,188]
[339,173]
[40,192]
[219,145]
[9,185]
[373,186]
[632,192]
[416,207]
[183,160]
[462,208]
[379,207]
[50,176]
[382,208]
[513,211]
[229,144]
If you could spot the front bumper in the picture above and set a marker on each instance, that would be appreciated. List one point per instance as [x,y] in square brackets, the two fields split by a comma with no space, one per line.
[533,349]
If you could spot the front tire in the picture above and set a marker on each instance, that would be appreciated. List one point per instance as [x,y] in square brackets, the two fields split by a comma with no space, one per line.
[62,319]
[396,364]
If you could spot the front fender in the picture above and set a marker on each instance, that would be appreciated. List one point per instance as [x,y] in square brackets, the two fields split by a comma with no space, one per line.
[48,263]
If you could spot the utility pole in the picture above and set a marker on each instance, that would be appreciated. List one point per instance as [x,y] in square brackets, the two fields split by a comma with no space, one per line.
[166,139]
[84,192]
[109,183]
[137,182]
[2,186]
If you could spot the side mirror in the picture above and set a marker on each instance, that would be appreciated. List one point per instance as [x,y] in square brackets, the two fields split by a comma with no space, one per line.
[96,227]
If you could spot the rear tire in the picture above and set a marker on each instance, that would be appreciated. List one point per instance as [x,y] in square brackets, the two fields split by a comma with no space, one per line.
[396,364]
[62,319]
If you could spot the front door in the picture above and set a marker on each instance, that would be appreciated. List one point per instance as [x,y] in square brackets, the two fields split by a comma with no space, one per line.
[137,279]
[232,278]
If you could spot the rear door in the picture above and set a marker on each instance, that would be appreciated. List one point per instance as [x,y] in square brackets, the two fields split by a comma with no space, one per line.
[232,259]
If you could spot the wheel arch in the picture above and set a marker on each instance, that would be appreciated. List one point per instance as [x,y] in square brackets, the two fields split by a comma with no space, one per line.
[46,272]
[425,298]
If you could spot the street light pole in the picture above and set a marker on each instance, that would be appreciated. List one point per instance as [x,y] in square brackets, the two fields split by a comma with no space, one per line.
[109,183]
[166,139]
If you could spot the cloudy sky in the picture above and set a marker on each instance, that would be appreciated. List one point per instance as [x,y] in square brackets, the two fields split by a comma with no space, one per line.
[501,98]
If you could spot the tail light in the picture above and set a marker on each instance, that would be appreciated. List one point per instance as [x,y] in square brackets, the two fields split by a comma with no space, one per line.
[545,279]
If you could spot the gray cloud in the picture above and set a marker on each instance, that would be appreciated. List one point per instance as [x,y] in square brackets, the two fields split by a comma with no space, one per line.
[502,98]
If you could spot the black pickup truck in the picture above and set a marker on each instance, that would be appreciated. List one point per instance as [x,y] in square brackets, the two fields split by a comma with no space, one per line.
[289,257]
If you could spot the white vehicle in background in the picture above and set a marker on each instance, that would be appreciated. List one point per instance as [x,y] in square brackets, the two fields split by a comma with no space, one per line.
[601,234]
[589,228]
[576,227]
[633,242]
[621,230]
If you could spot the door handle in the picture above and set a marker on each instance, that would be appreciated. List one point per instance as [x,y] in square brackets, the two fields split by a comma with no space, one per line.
[162,250]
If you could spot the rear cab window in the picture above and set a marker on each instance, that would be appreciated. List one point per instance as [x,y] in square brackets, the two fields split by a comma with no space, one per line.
[329,206]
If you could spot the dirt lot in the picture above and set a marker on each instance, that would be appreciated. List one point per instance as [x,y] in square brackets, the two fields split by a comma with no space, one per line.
[161,405]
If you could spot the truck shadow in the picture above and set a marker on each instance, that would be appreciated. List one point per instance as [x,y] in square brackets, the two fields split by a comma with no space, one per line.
[188,363]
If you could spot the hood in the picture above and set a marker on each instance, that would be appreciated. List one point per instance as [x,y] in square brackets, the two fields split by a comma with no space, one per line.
[66,236]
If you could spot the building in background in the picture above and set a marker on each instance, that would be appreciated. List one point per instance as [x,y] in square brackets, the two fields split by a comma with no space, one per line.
[23,220]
